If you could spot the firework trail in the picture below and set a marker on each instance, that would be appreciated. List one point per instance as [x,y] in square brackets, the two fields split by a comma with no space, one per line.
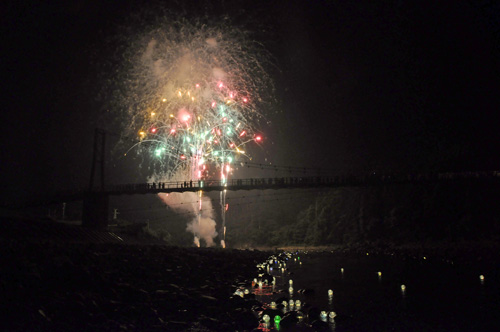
[191,93]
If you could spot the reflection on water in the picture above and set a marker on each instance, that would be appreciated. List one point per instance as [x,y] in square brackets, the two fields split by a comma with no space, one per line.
[347,292]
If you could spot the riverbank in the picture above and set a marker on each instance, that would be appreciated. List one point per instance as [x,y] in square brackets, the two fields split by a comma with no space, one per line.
[63,285]
[460,252]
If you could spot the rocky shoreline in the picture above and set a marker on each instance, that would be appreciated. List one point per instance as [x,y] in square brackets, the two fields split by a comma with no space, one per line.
[67,286]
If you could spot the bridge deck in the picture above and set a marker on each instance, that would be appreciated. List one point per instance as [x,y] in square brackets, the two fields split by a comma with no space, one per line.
[296,182]
[273,183]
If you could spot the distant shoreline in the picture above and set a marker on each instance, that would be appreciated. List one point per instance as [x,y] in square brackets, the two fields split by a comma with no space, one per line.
[463,252]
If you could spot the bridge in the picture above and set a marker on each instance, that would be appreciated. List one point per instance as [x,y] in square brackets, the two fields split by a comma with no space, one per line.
[295,182]
[95,207]
[206,185]
[95,199]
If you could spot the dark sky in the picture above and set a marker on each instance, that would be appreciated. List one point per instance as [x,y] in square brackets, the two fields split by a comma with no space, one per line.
[361,85]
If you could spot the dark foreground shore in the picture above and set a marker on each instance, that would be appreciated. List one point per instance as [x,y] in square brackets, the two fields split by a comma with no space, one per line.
[57,277]
[63,285]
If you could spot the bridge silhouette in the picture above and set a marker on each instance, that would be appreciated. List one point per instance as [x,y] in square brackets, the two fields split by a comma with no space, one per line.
[206,185]
[96,199]
[295,182]
[95,202]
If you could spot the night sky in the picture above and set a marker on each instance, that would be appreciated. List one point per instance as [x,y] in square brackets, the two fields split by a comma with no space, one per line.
[388,86]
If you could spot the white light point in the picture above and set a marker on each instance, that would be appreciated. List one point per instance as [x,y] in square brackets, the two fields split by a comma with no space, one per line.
[403,289]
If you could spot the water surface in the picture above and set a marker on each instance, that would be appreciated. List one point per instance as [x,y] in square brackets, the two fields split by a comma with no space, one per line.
[439,295]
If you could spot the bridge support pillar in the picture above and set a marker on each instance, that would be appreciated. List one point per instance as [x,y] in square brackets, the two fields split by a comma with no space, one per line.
[95,210]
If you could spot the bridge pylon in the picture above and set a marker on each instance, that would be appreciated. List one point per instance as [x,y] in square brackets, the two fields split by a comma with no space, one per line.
[96,200]
[98,158]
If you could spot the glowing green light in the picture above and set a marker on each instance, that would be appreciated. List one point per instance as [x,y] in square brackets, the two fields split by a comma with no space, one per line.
[159,151]
[188,139]
[277,320]
[230,159]
[229,131]
[216,153]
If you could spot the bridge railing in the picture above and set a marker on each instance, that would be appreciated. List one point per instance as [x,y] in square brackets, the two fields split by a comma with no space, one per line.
[281,182]
[373,179]
[213,183]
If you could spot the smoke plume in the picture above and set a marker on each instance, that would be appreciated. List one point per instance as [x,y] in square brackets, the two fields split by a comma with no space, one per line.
[202,222]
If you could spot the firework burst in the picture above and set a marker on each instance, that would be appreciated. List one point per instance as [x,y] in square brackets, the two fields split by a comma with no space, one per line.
[192,95]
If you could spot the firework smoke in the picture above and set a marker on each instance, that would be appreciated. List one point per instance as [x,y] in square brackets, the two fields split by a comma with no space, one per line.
[201,225]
